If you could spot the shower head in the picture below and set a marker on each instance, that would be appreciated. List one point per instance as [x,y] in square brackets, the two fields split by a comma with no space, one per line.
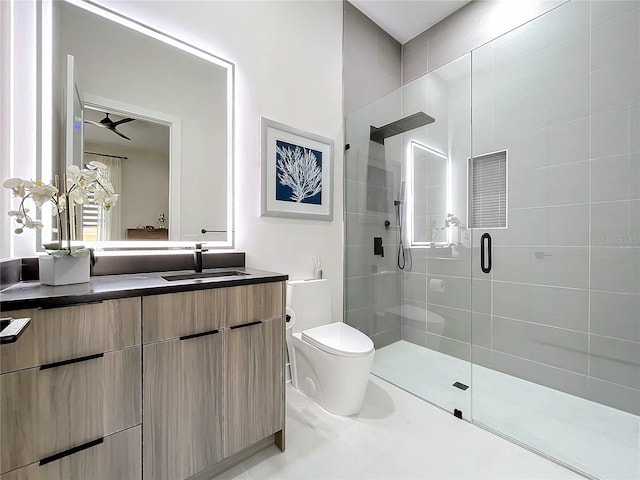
[417,120]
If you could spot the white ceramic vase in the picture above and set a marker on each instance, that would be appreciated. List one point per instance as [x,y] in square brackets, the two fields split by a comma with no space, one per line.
[65,270]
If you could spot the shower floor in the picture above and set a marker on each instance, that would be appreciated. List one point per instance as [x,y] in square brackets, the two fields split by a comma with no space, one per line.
[593,438]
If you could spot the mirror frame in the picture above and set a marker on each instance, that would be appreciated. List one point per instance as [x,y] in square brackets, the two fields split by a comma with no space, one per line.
[45,87]
[411,195]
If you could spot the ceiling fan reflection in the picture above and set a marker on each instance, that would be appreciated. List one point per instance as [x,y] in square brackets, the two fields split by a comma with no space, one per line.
[109,124]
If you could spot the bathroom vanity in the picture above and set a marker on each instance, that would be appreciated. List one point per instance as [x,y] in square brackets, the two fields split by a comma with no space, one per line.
[139,376]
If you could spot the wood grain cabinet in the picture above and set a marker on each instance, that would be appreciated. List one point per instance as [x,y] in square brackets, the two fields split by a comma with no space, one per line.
[253,383]
[161,387]
[182,406]
[213,376]
[70,383]
[116,457]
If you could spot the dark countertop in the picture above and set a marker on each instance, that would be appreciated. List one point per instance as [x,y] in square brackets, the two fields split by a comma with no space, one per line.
[32,294]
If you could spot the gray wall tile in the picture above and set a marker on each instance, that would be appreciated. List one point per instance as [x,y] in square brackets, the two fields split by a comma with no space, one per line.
[414,64]
[549,376]
[616,86]
[610,133]
[616,361]
[615,224]
[481,330]
[560,348]
[548,146]
[455,324]
[557,185]
[561,267]
[386,338]
[615,269]
[615,315]
[372,60]
[456,294]
[564,225]
[604,10]
[616,39]
[414,335]
[556,307]
[450,347]
[615,178]
[615,396]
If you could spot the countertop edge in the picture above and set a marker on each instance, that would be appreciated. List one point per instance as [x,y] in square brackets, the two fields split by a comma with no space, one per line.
[45,301]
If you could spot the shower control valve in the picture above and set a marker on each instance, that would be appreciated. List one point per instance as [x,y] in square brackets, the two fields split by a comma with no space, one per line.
[378,249]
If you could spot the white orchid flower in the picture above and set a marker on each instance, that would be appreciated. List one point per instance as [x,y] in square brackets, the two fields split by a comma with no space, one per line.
[81,183]
[16,185]
[41,193]
[100,166]
[78,195]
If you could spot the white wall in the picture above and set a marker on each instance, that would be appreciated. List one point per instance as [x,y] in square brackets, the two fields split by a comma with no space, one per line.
[288,58]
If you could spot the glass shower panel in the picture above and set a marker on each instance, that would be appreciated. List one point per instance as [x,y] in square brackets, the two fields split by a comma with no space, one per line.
[410,191]
[556,329]
[372,183]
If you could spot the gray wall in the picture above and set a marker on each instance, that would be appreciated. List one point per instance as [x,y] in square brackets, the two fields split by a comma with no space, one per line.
[475,24]
[372,66]
[372,60]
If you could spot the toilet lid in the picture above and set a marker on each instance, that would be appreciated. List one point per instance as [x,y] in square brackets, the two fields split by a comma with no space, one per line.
[340,339]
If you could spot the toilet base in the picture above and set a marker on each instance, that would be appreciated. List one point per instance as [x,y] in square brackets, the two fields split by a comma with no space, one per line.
[337,384]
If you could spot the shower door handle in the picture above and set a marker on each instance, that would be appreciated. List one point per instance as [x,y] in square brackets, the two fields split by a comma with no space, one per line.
[485,252]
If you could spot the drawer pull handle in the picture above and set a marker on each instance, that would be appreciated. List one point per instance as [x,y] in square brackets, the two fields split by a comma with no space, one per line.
[246,325]
[73,360]
[51,307]
[202,334]
[71,451]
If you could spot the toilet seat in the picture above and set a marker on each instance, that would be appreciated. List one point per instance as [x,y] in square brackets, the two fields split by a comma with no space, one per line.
[339,339]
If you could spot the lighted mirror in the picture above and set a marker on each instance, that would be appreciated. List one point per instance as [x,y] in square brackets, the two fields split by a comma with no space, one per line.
[428,196]
[157,112]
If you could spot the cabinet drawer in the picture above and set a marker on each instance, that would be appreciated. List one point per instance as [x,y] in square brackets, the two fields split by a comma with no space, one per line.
[47,410]
[253,302]
[118,457]
[177,314]
[59,334]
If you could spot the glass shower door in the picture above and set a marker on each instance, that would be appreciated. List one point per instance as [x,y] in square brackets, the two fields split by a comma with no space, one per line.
[408,279]
[555,211]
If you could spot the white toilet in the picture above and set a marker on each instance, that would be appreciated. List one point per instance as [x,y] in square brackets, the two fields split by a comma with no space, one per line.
[330,362]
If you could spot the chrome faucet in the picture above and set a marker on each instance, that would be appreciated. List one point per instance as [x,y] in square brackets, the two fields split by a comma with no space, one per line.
[197,257]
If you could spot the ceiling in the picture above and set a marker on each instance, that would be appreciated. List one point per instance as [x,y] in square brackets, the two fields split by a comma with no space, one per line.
[404,19]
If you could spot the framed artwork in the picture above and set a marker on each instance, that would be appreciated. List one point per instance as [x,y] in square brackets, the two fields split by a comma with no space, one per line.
[297,173]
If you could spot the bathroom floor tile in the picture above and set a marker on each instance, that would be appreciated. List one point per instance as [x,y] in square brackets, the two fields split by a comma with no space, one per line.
[396,436]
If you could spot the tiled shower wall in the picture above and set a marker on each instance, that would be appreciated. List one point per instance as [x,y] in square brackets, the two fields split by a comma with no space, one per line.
[475,24]
[371,63]
[562,305]
[372,69]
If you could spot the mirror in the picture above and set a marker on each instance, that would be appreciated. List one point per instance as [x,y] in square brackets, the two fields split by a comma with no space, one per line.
[428,196]
[169,148]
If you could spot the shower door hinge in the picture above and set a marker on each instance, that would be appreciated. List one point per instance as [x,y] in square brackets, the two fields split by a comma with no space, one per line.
[457,413]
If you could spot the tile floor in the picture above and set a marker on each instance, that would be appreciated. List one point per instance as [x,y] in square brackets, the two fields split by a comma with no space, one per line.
[594,438]
[396,436]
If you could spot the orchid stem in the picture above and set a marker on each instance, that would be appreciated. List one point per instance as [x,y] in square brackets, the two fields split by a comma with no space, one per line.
[68,216]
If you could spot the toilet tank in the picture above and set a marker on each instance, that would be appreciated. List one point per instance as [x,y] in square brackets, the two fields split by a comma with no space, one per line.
[310,301]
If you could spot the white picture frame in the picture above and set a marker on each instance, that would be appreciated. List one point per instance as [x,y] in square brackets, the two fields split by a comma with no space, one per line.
[297,173]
